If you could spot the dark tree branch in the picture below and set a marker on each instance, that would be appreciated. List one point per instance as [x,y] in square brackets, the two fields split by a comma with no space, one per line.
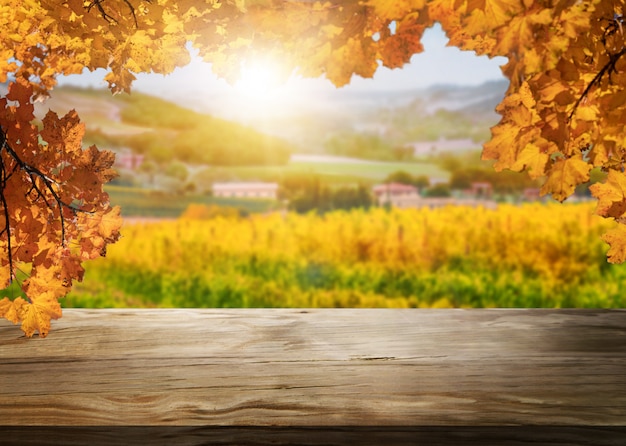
[40,184]
[98,4]
[608,67]
[615,25]
[103,13]
[5,208]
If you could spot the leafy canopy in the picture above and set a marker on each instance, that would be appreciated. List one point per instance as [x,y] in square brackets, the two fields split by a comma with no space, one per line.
[563,114]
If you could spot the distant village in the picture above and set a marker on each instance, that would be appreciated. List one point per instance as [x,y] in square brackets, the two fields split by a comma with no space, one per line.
[390,193]
[394,194]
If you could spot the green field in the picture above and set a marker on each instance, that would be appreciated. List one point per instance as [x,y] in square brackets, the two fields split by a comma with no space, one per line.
[533,255]
[137,202]
[345,172]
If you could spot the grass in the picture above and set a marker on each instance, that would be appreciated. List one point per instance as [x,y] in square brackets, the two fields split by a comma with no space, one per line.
[137,202]
[369,173]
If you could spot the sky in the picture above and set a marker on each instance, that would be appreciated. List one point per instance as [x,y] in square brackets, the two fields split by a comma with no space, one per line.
[197,87]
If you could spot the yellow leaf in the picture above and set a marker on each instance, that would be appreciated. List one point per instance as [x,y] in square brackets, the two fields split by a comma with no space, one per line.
[564,175]
[394,9]
[587,113]
[5,273]
[401,46]
[549,87]
[110,224]
[8,310]
[532,158]
[36,316]
[526,96]
[501,146]
[575,20]
[46,282]
[611,195]
[616,238]
[498,12]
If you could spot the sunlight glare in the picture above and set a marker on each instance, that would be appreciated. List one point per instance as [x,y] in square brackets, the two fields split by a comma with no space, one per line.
[265,91]
[259,79]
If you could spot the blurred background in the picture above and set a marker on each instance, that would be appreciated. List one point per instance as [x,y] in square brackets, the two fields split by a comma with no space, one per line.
[293,193]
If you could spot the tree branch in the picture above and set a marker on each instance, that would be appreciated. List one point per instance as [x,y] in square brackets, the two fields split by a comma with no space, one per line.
[35,175]
[615,25]
[608,67]
[108,17]
[5,207]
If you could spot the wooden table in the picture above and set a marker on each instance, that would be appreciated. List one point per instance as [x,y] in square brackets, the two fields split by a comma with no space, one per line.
[347,370]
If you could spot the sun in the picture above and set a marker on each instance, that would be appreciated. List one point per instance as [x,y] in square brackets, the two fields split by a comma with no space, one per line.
[265,91]
[259,79]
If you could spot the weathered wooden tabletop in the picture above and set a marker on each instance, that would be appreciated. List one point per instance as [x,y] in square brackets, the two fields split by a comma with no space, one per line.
[321,367]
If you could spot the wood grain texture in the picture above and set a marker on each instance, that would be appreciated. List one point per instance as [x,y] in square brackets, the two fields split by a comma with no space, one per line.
[322,367]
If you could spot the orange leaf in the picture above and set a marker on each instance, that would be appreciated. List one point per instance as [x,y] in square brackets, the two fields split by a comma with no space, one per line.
[564,175]
[611,195]
[533,158]
[8,310]
[394,9]
[36,316]
[616,238]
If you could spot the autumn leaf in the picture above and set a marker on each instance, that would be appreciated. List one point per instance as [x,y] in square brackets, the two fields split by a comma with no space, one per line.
[563,113]
[67,131]
[8,310]
[36,316]
[395,9]
[564,175]
[401,46]
[48,181]
[611,195]
[532,158]
[616,238]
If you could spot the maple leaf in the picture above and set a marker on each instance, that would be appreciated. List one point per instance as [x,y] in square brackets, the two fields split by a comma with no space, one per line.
[46,281]
[534,159]
[8,310]
[401,46]
[616,238]
[38,199]
[67,131]
[564,175]
[36,316]
[566,67]
[611,195]
[395,9]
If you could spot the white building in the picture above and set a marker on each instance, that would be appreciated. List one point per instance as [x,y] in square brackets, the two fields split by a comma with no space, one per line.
[404,196]
[394,193]
[267,191]
[444,145]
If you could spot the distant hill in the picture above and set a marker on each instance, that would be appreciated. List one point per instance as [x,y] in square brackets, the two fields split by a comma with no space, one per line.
[443,112]
[164,131]
[399,117]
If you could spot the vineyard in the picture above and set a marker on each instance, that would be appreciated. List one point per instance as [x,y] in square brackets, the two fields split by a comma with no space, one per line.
[535,255]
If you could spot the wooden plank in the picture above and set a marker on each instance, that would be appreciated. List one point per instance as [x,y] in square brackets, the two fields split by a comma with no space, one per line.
[322,367]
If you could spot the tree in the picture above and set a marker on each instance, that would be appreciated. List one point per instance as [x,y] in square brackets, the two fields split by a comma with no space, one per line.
[400,176]
[306,193]
[351,197]
[439,190]
[562,115]
[178,171]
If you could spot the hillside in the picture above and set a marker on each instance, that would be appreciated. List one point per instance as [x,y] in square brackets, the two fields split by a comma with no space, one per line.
[163,131]
[399,117]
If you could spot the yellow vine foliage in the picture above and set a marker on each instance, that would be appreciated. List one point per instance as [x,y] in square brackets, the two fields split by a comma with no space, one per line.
[529,254]
[563,114]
